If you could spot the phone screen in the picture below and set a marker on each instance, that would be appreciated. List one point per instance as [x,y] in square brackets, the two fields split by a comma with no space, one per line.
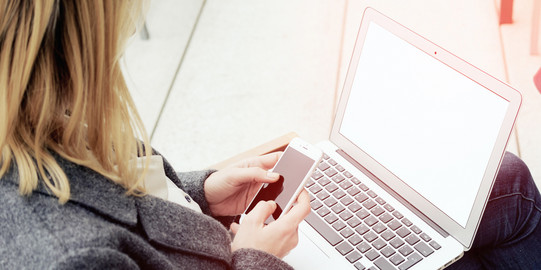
[292,167]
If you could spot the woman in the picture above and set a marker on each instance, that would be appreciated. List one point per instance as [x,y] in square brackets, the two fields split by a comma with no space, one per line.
[78,189]
[75,176]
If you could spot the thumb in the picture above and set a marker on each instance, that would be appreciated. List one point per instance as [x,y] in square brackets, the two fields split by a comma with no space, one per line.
[234,227]
[260,213]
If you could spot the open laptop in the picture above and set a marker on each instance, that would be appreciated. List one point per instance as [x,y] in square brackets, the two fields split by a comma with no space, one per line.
[416,144]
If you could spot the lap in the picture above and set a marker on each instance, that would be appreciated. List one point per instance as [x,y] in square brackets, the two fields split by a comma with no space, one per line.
[510,230]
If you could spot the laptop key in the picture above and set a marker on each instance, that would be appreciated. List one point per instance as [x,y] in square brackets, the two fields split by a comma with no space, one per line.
[397,215]
[315,189]
[435,245]
[340,168]
[389,207]
[355,240]
[339,225]
[345,215]
[355,181]
[325,156]
[380,200]
[364,247]
[371,193]
[330,202]
[359,266]
[377,211]
[424,249]
[405,250]
[331,187]
[338,178]
[346,200]
[394,224]
[323,229]
[388,235]
[354,207]
[323,181]
[403,232]
[316,205]
[397,242]
[317,175]
[386,217]
[339,194]
[412,239]
[396,259]
[354,191]
[348,174]
[368,204]
[372,254]
[370,236]
[362,229]
[363,187]
[416,229]
[338,208]
[347,232]
[425,237]
[379,244]
[407,222]
[354,256]
[412,260]
[388,251]
[379,227]
[323,166]
[322,195]
[330,218]
[323,211]
[345,185]
[330,172]
[363,213]
[344,248]
[383,264]
[354,222]
[332,162]
[371,220]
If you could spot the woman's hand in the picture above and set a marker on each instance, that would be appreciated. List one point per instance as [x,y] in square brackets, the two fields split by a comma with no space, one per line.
[230,190]
[277,238]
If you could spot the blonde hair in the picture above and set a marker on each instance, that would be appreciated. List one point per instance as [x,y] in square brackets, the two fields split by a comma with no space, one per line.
[62,90]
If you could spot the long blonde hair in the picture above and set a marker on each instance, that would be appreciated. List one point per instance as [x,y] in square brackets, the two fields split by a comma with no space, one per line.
[62,90]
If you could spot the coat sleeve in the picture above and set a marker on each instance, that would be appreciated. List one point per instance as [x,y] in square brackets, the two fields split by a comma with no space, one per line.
[95,258]
[247,258]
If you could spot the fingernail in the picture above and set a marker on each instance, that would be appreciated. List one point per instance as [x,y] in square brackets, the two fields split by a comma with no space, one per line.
[273,175]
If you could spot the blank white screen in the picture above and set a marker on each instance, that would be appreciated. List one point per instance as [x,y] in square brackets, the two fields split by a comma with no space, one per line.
[429,125]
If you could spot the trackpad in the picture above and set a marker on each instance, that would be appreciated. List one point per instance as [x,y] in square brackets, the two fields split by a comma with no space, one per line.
[306,255]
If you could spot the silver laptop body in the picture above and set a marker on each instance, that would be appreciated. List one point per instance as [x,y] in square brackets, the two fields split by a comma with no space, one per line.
[417,140]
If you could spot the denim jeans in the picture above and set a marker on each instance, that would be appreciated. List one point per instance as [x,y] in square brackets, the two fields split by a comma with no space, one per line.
[509,236]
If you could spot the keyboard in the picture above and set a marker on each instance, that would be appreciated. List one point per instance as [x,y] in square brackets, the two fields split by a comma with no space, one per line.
[359,223]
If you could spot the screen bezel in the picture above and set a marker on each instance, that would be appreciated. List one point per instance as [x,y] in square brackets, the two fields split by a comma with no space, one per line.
[464,235]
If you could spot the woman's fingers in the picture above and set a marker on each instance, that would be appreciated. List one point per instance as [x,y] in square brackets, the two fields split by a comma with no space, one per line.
[260,213]
[265,162]
[249,175]
[299,211]
[234,227]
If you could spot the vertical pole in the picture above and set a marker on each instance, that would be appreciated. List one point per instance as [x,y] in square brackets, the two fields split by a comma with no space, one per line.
[506,12]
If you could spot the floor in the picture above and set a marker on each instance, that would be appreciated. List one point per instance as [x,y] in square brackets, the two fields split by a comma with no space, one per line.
[216,78]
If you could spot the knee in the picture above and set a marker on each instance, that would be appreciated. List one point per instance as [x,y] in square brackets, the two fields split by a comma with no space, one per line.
[514,174]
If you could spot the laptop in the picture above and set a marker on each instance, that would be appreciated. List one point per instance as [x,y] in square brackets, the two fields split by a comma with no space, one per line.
[416,143]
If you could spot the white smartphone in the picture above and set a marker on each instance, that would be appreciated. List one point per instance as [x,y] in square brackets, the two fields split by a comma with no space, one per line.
[295,167]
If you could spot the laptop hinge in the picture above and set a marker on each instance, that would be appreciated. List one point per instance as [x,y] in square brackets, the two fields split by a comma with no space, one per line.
[393,193]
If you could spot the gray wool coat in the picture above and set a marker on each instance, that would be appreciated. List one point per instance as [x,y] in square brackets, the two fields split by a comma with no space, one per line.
[102,228]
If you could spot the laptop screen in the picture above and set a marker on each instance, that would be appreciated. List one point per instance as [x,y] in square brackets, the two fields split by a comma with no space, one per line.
[428,124]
